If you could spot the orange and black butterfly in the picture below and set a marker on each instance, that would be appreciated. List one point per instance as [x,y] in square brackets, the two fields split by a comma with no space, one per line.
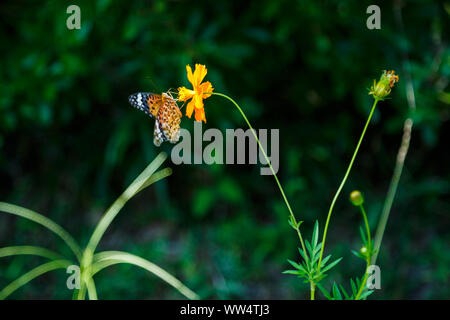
[163,107]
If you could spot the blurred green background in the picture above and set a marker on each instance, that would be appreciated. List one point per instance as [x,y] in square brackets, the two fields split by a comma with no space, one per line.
[70,142]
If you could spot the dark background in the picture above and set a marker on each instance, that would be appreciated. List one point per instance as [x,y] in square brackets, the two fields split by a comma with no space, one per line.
[70,143]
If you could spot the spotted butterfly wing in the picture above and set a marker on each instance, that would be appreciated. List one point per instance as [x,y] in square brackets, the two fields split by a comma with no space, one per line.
[147,102]
[167,124]
[165,110]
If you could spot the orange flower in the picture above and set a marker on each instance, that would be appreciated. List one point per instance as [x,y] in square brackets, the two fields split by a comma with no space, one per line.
[197,94]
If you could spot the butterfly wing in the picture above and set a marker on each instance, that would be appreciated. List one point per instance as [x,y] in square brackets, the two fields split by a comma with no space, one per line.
[148,102]
[167,123]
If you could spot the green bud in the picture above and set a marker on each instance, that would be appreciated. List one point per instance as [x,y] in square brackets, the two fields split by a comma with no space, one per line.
[356,198]
[381,89]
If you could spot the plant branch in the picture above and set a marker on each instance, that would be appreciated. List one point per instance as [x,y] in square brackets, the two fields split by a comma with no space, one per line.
[344,180]
[294,220]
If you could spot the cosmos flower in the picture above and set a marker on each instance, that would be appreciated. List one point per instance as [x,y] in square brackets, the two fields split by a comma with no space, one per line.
[197,94]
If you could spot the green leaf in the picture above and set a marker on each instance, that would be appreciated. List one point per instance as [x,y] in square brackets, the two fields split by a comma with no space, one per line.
[315,236]
[324,292]
[297,266]
[309,248]
[363,235]
[331,265]
[29,250]
[291,223]
[358,282]
[336,293]
[354,288]
[36,272]
[358,254]
[108,258]
[347,297]
[317,248]
[161,174]
[137,185]
[324,261]
[295,272]
[294,264]
[302,254]
[44,221]
[365,294]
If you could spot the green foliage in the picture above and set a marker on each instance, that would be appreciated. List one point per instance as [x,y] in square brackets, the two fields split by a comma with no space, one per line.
[338,292]
[309,269]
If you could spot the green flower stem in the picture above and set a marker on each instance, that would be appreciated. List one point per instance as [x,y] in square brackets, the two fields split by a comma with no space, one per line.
[366,223]
[312,286]
[369,252]
[271,168]
[343,181]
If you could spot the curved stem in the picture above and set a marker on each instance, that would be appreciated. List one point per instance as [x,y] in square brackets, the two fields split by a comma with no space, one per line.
[92,291]
[27,277]
[343,181]
[108,258]
[364,280]
[28,250]
[366,223]
[401,155]
[44,221]
[369,253]
[271,168]
[115,208]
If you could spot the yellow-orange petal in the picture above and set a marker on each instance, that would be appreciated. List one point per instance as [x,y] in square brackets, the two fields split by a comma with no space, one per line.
[200,115]
[190,75]
[206,87]
[198,101]
[199,74]
[185,94]
[190,108]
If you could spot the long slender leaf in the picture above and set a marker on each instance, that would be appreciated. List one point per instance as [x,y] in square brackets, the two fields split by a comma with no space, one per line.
[92,291]
[108,258]
[44,221]
[331,265]
[29,250]
[36,272]
[138,184]
[324,292]
[315,236]
[336,294]
[161,174]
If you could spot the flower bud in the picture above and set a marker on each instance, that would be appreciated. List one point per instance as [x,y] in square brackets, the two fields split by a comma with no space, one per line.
[356,198]
[363,250]
[381,89]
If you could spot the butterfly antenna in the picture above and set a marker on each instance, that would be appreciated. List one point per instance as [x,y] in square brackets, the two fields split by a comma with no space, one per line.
[182,105]
[172,92]
[155,87]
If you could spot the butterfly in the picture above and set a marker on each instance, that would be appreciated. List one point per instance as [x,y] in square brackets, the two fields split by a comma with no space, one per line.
[163,107]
